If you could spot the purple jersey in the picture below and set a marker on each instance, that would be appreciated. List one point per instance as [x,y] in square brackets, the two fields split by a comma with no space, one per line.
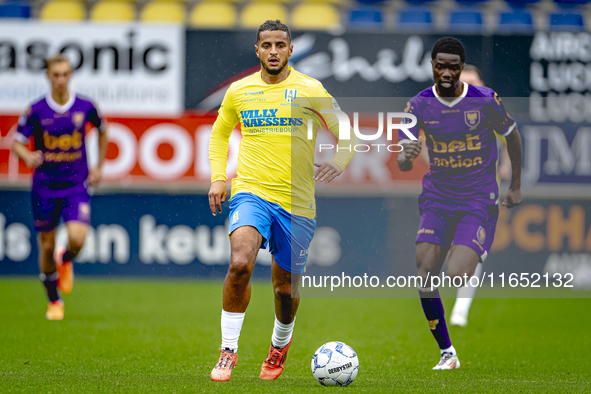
[58,131]
[462,147]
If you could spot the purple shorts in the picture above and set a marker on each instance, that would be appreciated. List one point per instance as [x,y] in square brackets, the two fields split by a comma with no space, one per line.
[72,204]
[459,228]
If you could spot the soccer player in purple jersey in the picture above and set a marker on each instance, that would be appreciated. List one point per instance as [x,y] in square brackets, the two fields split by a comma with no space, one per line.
[57,124]
[459,202]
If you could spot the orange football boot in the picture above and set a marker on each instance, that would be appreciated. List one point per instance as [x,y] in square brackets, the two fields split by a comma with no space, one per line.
[55,311]
[275,362]
[222,372]
[65,269]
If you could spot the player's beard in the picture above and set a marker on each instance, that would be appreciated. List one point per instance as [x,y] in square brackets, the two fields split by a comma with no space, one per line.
[277,70]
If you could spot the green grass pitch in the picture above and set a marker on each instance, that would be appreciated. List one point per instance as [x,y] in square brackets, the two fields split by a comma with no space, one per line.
[134,336]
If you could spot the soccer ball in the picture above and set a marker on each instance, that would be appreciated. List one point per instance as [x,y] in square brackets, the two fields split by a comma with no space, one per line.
[335,364]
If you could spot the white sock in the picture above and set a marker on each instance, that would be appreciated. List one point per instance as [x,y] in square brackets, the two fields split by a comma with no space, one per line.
[231,326]
[450,349]
[466,295]
[282,333]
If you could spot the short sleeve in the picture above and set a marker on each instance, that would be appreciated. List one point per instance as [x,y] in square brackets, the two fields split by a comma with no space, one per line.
[96,120]
[412,107]
[27,123]
[501,122]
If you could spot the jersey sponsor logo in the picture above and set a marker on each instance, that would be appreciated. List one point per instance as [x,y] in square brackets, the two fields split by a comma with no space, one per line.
[46,121]
[253,93]
[426,231]
[267,117]
[453,146]
[64,142]
[481,234]
[290,95]
[62,157]
[472,118]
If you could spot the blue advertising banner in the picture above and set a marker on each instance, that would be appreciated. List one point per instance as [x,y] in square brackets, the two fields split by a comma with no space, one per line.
[176,235]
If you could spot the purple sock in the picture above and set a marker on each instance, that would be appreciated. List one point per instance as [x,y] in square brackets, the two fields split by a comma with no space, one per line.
[433,308]
[50,283]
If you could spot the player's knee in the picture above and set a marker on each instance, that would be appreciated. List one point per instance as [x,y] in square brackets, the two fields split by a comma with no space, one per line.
[456,273]
[76,242]
[47,245]
[240,266]
[283,290]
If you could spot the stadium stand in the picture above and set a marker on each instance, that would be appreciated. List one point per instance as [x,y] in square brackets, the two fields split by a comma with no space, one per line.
[315,16]
[211,14]
[466,21]
[517,21]
[415,18]
[15,9]
[161,11]
[112,11]
[256,12]
[566,21]
[63,10]
[365,17]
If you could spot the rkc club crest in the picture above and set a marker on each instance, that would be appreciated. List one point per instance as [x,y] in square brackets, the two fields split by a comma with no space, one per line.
[472,118]
[290,95]
[78,118]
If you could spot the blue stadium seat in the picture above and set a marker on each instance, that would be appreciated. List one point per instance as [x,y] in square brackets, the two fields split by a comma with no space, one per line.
[566,22]
[15,9]
[420,3]
[467,21]
[415,18]
[571,3]
[371,2]
[516,21]
[517,4]
[470,2]
[370,17]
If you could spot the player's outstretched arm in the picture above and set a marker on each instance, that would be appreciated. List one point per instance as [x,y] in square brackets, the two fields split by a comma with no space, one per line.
[513,196]
[31,159]
[96,174]
[410,152]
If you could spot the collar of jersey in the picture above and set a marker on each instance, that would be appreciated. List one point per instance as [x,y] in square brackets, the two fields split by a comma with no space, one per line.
[454,102]
[60,108]
[287,80]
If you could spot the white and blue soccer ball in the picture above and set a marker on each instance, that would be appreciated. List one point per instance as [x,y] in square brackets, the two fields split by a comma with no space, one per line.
[335,364]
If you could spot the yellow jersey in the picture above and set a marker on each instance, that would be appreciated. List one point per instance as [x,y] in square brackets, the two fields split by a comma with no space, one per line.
[276,155]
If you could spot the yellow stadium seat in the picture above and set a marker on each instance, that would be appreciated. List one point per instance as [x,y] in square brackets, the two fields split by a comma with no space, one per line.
[112,10]
[63,10]
[315,16]
[163,11]
[211,14]
[254,14]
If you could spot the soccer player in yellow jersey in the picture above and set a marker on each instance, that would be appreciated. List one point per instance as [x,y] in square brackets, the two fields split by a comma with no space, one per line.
[273,193]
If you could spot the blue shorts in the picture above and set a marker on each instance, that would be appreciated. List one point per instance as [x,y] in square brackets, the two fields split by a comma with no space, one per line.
[287,235]
[459,228]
